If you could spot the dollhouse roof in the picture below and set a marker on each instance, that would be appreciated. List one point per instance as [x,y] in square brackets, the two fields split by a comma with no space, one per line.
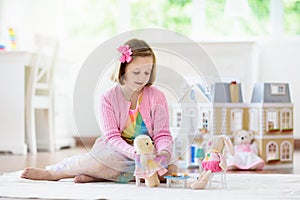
[271,93]
[221,93]
[204,91]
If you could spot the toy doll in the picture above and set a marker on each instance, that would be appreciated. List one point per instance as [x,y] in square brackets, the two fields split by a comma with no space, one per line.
[246,152]
[214,160]
[145,165]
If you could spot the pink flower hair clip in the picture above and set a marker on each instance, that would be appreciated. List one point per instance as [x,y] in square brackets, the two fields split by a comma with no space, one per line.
[126,52]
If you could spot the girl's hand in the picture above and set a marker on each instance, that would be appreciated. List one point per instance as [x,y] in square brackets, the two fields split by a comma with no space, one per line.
[164,153]
[163,158]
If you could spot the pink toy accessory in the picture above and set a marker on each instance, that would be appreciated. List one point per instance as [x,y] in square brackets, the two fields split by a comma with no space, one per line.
[126,52]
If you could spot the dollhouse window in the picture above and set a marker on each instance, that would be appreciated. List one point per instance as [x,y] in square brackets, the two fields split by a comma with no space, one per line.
[236,120]
[286,151]
[177,115]
[272,151]
[286,120]
[204,122]
[178,119]
[253,120]
[277,89]
[272,121]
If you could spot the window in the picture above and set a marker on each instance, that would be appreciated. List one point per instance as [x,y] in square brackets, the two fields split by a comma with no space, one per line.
[253,120]
[177,115]
[286,120]
[286,151]
[179,149]
[102,19]
[204,122]
[91,19]
[292,17]
[277,89]
[178,119]
[272,151]
[272,121]
[236,120]
[172,14]
[227,18]
[197,18]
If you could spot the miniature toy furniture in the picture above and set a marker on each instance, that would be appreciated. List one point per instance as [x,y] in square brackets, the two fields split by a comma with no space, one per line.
[178,178]
[222,179]
[39,93]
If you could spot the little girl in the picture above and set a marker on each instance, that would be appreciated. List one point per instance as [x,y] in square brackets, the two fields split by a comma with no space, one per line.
[133,107]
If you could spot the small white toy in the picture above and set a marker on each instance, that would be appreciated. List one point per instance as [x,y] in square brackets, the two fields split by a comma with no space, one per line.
[145,165]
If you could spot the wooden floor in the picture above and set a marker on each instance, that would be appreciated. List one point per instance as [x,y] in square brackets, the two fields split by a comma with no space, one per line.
[11,163]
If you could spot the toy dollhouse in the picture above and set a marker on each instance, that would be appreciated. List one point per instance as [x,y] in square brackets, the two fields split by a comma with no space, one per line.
[269,115]
[271,119]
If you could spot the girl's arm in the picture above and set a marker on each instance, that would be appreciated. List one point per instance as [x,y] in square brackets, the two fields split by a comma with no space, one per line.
[111,131]
[160,121]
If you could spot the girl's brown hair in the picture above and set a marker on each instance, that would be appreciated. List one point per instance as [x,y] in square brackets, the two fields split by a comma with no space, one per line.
[138,48]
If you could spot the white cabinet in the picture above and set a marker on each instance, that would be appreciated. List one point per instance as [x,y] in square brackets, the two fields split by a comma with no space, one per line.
[12,106]
[12,84]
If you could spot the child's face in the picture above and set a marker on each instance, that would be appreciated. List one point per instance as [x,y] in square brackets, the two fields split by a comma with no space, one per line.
[138,72]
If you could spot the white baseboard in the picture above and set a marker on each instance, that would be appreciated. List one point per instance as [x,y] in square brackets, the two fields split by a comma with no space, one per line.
[58,143]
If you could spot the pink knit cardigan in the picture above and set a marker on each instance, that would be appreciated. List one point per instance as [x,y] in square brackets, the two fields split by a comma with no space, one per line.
[114,111]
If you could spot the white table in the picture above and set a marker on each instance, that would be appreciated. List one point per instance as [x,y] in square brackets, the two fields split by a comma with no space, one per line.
[12,101]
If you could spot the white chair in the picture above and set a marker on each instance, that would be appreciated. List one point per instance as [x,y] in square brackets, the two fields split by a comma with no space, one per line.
[39,93]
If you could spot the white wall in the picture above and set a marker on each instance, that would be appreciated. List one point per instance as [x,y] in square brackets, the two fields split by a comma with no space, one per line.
[277,61]
[29,17]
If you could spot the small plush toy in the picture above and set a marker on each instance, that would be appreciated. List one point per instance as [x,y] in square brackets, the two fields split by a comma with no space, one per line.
[145,165]
[214,160]
[246,152]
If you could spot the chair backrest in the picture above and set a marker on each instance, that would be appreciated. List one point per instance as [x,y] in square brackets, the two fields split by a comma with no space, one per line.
[42,66]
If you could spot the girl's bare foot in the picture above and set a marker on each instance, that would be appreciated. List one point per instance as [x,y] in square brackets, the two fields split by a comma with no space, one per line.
[42,174]
[82,178]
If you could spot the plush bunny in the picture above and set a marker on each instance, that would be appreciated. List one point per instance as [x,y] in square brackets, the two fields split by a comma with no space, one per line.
[145,165]
[246,152]
[214,160]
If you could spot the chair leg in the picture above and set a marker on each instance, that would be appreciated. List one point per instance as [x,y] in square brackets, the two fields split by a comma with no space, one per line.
[137,181]
[225,181]
[31,132]
[51,130]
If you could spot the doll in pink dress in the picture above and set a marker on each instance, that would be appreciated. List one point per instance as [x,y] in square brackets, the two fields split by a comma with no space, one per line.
[146,165]
[246,153]
[214,160]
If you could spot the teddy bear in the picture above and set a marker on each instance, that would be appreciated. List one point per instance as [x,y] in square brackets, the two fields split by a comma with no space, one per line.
[146,166]
[214,160]
[246,152]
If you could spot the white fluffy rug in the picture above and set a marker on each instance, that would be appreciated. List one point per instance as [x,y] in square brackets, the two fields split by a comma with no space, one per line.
[239,186]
